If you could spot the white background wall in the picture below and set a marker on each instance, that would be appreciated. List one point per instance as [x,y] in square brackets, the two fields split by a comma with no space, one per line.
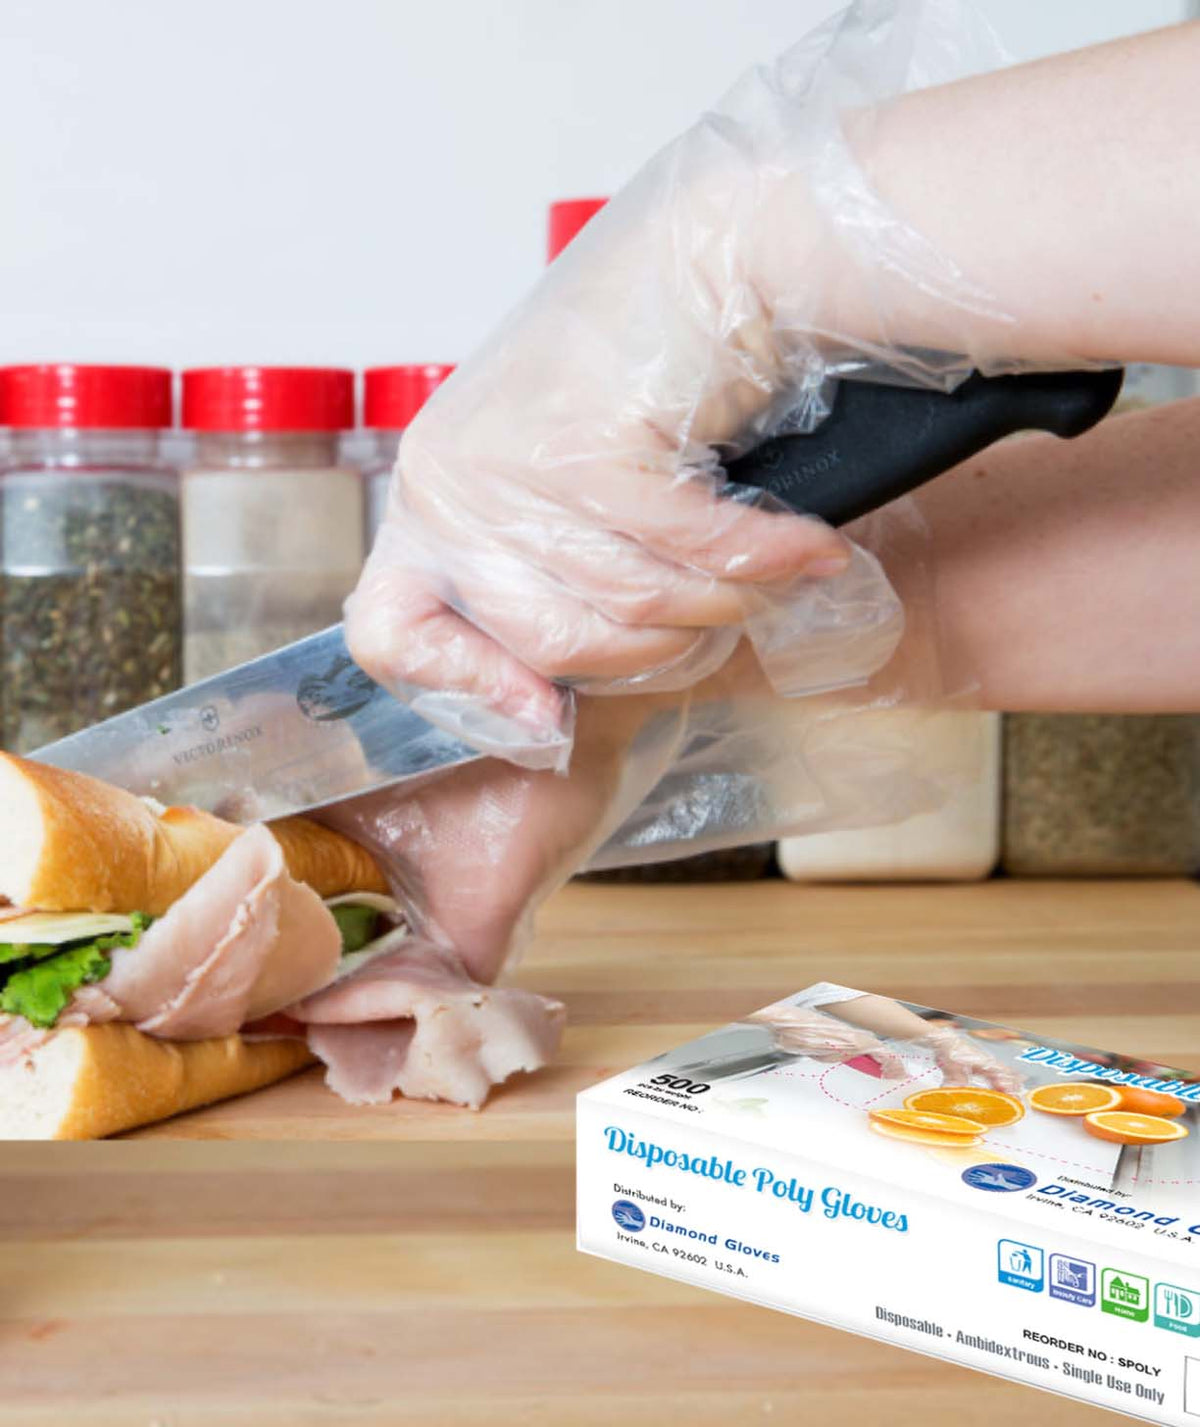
[348,181]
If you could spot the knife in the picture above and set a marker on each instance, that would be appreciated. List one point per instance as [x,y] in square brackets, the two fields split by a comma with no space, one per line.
[304,726]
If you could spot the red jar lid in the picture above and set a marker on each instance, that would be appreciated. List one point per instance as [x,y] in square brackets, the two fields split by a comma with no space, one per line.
[268,399]
[67,394]
[392,396]
[567,217]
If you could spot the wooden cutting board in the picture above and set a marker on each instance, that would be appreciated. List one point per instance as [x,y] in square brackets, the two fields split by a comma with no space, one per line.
[420,1267]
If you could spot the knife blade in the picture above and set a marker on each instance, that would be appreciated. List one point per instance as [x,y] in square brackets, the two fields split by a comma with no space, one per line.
[304,726]
[291,731]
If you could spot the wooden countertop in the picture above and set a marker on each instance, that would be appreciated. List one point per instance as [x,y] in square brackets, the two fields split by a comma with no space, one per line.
[422,1268]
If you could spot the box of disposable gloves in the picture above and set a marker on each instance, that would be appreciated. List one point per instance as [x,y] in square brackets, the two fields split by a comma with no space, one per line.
[1021,1206]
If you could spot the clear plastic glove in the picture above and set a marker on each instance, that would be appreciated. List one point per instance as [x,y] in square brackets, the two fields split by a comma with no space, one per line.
[473,853]
[963,1061]
[470,855]
[558,514]
[823,1038]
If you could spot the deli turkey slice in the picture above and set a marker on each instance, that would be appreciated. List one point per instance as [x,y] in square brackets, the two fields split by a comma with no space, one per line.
[411,1020]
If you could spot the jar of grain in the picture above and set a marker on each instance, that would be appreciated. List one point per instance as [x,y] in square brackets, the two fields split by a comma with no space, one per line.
[90,598]
[392,396]
[273,523]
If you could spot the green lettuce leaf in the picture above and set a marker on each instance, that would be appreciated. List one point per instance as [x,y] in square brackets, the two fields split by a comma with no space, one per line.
[356,924]
[26,950]
[41,987]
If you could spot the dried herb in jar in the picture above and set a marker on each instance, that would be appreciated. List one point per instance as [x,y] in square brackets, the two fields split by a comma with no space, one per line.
[90,600]
[1102,795]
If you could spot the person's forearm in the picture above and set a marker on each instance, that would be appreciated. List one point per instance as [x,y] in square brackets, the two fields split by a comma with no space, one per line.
[878,1014]
[1066,192]
[1067,571]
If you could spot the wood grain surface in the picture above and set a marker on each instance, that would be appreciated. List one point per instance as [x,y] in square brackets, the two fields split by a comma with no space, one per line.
[286,1260]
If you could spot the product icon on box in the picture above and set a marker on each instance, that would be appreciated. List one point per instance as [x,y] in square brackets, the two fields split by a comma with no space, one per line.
[1022,1265]
[1126,1295]
[1073,1280]
[1177,1310]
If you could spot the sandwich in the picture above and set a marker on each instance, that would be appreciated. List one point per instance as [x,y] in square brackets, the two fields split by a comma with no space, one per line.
[154,960]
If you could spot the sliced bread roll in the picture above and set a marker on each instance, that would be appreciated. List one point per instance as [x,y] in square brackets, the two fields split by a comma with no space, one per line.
[83,1083]
[73,843]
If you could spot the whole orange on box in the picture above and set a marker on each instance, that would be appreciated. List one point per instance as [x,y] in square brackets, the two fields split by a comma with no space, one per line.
[1149,1102]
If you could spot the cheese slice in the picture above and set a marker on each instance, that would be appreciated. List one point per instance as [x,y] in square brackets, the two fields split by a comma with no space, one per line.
[54,928]
[376,900]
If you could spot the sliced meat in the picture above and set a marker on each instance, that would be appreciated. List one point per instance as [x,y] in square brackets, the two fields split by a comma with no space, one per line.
[90,1006]
[242,942]
[18,1038]
[412,1020]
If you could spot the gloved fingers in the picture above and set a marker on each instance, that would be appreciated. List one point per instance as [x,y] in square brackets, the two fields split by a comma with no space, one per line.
[401,632]
[891,1064]
[641,544]
[1003,1077]
[555,634]
[630,586]
[677,515]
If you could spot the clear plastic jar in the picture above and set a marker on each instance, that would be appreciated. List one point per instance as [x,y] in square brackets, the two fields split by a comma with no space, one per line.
[273,522]
[90,580]
[392,396]
[958,842]
[1102,795]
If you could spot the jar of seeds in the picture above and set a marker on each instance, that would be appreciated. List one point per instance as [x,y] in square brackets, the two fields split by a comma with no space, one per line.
[392,396]
[90,577]
[273,521]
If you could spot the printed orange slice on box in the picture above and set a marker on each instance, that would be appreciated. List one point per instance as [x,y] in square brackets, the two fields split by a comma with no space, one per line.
[991,1108]
[1123,1128]
[934,1139]
[1083,1099]
[927,1122]
[1149,1102]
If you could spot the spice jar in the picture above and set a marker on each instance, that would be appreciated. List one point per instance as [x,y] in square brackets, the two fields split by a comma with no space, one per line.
[1105,795]
[90,606]
[392,396]
[957,842]
[1091,795]
[273,524]
[565,219]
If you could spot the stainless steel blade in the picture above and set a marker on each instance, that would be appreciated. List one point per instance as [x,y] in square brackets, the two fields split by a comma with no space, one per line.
[291,731]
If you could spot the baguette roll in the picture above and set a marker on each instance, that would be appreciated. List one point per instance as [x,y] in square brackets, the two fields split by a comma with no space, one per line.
[69,842]
[83,1083]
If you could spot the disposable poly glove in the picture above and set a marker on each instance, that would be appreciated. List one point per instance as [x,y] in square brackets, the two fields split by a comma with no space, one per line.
[470,855]
[473,853]
[821,1037]
[558,513]
[962,1060]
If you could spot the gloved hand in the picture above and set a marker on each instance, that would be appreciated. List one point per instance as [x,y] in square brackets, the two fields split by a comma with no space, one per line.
[471,855]
[823,1038]
[962,1060]
[557,511]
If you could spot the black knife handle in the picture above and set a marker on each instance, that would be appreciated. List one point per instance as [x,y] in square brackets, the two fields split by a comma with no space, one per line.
[880,442]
